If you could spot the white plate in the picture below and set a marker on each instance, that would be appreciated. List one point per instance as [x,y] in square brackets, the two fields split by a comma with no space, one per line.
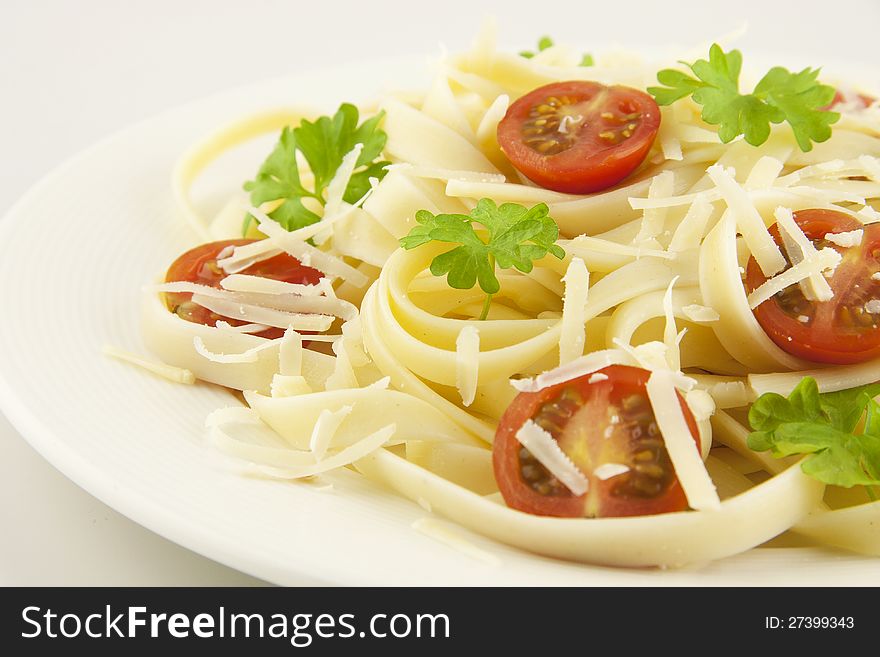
[74,254]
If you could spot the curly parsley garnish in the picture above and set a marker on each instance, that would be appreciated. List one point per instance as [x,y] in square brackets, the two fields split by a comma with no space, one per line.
[323,143]
[781,95]
[514,236]
[823,425]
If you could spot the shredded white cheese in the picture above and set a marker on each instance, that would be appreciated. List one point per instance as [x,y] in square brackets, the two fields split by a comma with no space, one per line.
[868,215]
[290,353]
[586,364]
[670,331]
[731,394]
[873,306]
[799,248]
[826,259]
[671,147]
[652,356]
[170,372]
[296,303]
[871,166]
[247,255]
[380,384]
[764,173]
[609,470]
[338,184]
[846,239]
[343,375]
[692,228]
[232,430]
[653,219]
[572,334]
[306,253]
[748,220]
[700,314]
[289,386]
[262,315]
[241,328]
[569,121]
[489,123]
[548,453]
[325,428]
[689,468]
[638,203]
[701,403]
[467,363]
[262,285]
[249,356]
[585,243]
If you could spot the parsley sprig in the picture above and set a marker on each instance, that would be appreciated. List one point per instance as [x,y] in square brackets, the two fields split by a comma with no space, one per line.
[323,143]
[798,98]
[514,237]
[546,42]
[823,425]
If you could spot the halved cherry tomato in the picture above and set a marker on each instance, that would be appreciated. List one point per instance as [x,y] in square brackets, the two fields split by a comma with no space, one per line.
[842,330]
[199,265]
[607,421]
[579,137]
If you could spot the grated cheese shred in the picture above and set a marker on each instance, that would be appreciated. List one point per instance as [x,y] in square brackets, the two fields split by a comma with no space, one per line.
[698,487]
[572,335]
[548,453]
[170,372]
[748,220]
[799,248]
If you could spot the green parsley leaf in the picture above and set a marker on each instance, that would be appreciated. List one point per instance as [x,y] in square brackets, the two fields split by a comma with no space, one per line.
[798,98]
[543,43]
[546,42]
[807,422]
[323,144]
[513,237]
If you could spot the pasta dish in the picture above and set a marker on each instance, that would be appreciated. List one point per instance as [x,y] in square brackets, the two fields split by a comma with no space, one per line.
[585,305]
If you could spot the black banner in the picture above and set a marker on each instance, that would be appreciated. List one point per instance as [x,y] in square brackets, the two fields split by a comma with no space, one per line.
[335,621]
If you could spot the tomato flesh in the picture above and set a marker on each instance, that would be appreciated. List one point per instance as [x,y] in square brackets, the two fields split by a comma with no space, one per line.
[841,330]
[199,265]
[579,137]
[608,421]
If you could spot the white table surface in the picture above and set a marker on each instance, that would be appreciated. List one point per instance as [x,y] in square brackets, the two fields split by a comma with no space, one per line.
[73,72]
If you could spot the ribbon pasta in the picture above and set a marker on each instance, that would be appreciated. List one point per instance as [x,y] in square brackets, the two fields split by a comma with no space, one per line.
[660,254]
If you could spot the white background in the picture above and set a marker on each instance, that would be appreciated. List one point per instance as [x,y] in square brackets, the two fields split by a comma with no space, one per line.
[74,72]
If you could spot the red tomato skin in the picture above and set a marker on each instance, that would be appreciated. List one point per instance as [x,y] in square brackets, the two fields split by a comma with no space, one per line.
[839,98]
[198,265]
[519,495]
[828,345]
[505,462]
[589,165]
